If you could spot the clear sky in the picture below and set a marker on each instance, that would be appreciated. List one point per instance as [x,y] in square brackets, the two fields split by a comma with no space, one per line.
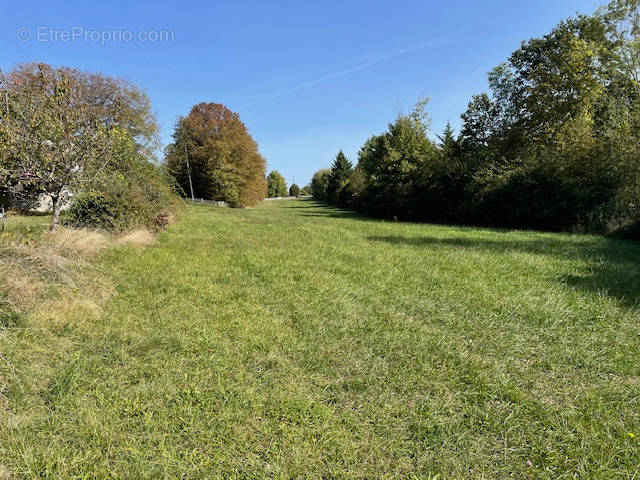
[308,78]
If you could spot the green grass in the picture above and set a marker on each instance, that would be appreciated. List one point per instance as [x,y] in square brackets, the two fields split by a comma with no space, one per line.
[25,226]
[297,341]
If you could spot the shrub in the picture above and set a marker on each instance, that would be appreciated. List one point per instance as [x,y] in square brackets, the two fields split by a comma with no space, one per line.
[294,190]
[140,198]
[96,210]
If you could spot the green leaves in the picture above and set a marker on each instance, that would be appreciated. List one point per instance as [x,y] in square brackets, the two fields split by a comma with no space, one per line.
[276,185]
[64,131]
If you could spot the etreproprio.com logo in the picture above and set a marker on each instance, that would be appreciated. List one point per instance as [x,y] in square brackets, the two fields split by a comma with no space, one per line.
[80,34]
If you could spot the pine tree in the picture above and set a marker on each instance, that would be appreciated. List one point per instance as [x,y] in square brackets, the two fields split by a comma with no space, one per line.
[339,179]
[448,142]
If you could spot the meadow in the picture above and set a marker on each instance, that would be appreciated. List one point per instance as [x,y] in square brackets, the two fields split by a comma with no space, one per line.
[294,340]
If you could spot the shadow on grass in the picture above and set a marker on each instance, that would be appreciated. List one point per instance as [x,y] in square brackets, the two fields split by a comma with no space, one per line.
[318,209]
[612,265]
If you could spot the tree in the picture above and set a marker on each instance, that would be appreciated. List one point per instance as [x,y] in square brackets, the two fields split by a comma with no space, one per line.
[61,130]
[214,157]
[448,142]
[394,162]
[479,123]
[320,183]
[276,185]
[339,179]
[294,190]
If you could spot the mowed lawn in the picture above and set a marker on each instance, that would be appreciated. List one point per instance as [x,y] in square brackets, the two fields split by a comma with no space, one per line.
[293,340]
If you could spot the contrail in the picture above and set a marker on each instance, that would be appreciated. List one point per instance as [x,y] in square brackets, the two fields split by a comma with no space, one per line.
[431,43]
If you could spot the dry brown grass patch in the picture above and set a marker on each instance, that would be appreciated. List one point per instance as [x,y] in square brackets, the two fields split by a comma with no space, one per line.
[23,290]
[137,238]
[76,241]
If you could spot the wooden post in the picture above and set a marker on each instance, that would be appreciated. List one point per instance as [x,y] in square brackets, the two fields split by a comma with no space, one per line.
[186,154]
[2,215]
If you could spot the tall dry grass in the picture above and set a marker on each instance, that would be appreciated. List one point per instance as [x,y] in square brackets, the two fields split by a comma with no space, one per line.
[31,267]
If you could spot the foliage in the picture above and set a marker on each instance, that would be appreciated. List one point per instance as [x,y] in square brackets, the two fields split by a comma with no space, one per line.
[214,157]
[276,185]
[138,197]
[393,164]
[294,190]
[320,184]
[61,130]
[337,186]
[554,144]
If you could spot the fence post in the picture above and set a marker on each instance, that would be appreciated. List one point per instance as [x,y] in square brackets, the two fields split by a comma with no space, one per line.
[2,217]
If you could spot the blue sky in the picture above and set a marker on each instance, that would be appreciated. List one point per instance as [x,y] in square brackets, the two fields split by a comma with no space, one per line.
[308,78]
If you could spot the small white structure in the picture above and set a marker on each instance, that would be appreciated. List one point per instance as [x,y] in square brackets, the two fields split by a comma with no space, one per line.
[45,204]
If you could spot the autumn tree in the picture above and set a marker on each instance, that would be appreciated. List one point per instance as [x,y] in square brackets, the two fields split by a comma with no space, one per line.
[213,156]
[276,185]
[61,130]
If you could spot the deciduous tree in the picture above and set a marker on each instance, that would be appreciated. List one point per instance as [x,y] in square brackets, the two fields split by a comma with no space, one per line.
[276,185]
[214,156]
[61,130]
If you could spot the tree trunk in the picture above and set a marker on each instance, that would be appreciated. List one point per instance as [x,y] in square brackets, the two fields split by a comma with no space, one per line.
[57,202]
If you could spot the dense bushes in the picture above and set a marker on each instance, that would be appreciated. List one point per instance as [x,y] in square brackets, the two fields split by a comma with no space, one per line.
[141,198]
[554,145]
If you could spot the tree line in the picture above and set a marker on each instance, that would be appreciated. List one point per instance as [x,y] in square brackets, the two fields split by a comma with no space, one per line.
[554,144]
[89,141]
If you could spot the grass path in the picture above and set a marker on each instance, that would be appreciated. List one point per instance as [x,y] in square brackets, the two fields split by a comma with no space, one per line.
[297,341]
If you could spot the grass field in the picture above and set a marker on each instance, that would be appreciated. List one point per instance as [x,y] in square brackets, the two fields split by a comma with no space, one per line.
[297,341]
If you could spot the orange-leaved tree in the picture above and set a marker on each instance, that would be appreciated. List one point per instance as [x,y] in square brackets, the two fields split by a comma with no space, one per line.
[213,156]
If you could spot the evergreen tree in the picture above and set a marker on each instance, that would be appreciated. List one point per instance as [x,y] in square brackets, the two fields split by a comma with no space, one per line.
[448,143]
[339,179]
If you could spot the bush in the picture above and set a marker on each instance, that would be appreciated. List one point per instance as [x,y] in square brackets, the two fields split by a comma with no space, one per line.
[294,190]
[142,198]
[95,210]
